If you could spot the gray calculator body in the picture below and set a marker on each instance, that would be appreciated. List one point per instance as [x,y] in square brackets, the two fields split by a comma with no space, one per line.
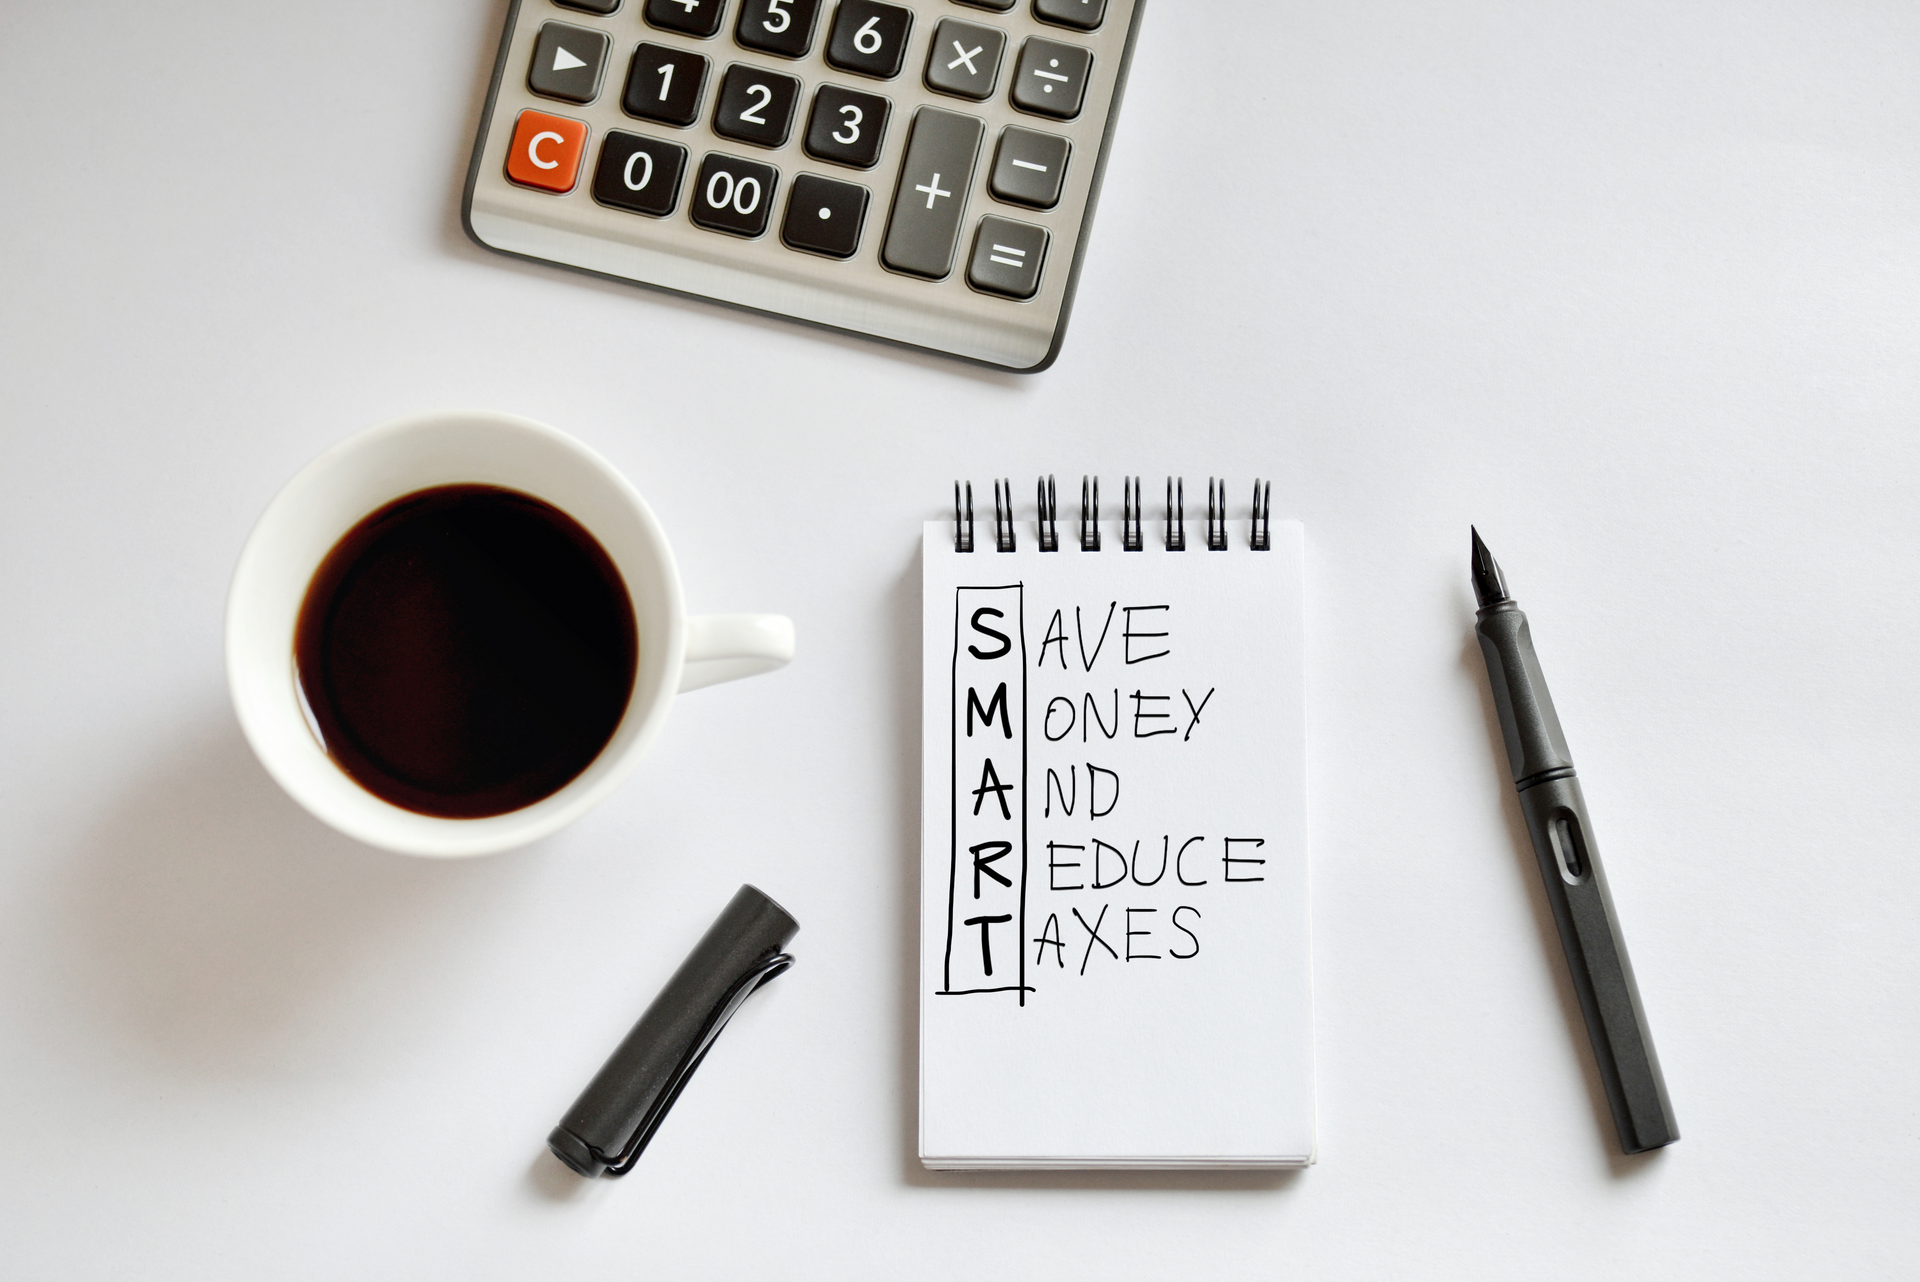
[976,257]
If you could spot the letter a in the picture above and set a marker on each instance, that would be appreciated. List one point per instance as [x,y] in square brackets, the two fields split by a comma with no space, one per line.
[1050,938]
[990,783]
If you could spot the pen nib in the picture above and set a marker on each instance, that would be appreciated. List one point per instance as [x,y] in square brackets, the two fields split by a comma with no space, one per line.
[1489,585]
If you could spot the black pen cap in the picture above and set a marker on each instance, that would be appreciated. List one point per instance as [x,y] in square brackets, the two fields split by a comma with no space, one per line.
[608,1127]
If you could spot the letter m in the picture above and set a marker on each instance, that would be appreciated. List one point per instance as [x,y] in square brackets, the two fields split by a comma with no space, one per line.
[996,704]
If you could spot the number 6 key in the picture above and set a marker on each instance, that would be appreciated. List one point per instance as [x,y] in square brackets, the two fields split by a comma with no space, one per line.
[869,38]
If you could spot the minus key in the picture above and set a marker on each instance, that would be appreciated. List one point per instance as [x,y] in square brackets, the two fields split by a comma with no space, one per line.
[1029,168]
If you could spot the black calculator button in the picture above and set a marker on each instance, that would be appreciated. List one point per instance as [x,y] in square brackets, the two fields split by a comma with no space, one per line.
[568,62]
[824,216]
[964,59]
[784,27]
[1029,167]
[998,6]
[847,126]
[689,17]
[733,195]
[756,105]
[932,196]
[869,38]
[589,6]
[664,84]
[641,175]
[1007,258]
[1051,79]
[1081,15]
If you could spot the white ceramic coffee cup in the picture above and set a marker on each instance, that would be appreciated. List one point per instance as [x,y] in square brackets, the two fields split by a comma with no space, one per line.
[367,471]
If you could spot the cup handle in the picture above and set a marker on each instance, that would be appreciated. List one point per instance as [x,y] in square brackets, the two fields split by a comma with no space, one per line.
[726,647]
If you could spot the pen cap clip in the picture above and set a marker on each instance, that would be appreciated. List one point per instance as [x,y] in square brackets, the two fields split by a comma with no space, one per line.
[609,1126]
[619,1164]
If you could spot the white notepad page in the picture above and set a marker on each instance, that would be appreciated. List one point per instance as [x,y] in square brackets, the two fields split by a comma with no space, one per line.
[1140,778]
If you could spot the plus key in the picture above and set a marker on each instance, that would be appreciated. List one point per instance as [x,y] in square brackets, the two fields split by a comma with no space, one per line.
[929,202]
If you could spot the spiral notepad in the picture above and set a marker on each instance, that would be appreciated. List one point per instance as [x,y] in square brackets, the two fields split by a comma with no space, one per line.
[1114,951]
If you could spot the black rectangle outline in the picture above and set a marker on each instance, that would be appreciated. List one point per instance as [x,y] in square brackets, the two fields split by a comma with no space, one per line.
[1021,986]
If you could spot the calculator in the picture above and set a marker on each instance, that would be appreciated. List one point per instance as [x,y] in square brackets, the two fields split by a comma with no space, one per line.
[923,173]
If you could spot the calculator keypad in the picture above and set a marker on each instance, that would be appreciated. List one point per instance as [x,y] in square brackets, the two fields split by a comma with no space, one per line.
[639,175]
[869,38]
[847,126]
[756,106]
[964,59]
[732,194]
[664,84]
[783,27]
[1051,79]
[912,168]
[568,62]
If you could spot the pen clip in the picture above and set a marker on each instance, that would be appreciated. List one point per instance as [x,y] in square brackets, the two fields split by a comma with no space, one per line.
[620,1163]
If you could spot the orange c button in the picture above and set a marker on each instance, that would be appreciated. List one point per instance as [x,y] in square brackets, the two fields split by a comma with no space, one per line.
[546,151]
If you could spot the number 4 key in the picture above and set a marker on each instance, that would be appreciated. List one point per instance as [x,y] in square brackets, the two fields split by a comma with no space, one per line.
[690,17]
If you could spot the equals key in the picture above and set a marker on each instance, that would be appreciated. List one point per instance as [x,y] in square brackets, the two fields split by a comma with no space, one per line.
[1007,258]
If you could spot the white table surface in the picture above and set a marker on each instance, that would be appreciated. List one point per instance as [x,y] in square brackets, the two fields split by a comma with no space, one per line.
[1631,285]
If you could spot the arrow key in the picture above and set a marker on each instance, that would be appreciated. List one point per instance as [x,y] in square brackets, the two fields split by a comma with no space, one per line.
[568,62]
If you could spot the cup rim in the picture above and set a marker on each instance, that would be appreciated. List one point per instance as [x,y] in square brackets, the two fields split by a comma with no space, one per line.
[267,702]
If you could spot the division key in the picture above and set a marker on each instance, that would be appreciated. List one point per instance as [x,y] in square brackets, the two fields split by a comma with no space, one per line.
[932,195]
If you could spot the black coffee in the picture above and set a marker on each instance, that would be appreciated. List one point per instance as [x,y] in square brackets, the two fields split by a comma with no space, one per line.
[466,650]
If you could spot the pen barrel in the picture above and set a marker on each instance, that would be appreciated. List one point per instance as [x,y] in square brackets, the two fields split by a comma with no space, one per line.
[646,1071]
[1576,886]
[1529,726]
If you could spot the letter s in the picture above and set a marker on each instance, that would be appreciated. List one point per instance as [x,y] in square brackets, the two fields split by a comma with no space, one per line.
[1001,637]
[1186,908]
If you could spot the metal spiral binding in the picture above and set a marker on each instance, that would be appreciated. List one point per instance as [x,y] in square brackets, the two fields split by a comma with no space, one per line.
[962,530]
[1132,515]
[1049,516]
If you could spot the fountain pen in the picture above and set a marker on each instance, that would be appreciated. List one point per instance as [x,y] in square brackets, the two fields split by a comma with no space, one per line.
[1563,843]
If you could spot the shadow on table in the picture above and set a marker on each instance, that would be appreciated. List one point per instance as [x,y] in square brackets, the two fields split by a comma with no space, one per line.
[903,683]
[1620,1165]
[210,919]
